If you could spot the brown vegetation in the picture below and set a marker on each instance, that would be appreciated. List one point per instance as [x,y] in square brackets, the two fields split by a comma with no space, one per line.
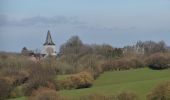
[45,94]
[123,64]
[120,96]
[77,81]
[5,89]
[19,76]
[160,92]
[39,77]
[127,96]
[158,61]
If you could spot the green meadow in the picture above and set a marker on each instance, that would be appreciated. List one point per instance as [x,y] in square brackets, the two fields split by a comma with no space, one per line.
[141,81]
[20,98]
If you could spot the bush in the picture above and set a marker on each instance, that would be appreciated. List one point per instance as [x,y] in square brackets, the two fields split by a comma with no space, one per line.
[66,84]
[39,77]
[95,72]
[5,89]
[16,92]
[82,80]
[77,81]
[121,96]
[122,64]
[127,96]
[97,97]
[45,94]
[158,61]
[160,92]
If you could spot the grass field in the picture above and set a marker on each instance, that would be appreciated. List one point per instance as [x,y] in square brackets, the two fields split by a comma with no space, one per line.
[21,98]
[140,81]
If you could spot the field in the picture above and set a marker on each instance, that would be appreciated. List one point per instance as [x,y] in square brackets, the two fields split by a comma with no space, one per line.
[21,98]
[140,81]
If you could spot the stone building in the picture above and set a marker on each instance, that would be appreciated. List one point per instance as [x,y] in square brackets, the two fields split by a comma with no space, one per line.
[27,52]
[138,48]
[49,48]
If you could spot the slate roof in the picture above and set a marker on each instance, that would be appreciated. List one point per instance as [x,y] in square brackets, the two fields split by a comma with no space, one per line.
[49,39]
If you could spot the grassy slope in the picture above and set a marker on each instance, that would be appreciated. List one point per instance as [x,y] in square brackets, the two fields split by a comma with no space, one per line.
[140,81]
[20,98]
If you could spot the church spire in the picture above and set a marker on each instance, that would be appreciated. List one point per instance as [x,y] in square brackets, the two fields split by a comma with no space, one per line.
[49,39]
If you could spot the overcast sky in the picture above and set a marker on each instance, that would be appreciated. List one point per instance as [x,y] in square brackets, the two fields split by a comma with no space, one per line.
[115,22]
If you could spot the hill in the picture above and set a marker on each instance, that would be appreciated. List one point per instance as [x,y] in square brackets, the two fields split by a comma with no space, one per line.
[140,81]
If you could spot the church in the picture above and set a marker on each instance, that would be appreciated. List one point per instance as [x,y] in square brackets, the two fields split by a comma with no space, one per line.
[48,49]
[49,46]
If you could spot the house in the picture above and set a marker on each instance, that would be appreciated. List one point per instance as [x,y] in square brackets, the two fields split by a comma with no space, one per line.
[138,48]
[27,52]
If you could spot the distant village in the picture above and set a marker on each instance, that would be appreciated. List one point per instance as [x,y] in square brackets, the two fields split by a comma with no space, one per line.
[140,48]
[49,49]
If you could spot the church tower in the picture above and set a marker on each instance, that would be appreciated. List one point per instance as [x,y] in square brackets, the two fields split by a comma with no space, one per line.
[49,46]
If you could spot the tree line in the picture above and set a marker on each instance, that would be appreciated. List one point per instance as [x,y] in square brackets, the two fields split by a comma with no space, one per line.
[19,76]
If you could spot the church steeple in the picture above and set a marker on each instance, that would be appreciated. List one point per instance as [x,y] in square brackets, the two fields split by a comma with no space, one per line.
[49,39]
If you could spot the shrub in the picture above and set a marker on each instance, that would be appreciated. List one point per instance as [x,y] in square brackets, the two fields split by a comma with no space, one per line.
[158,61]
[82,80]
[45,94]
[127,96]
[77,81]
[160,92]
[138,62]
[16,92]
[66,84]
[122,64]
[12,71]
[121,96]
[97,97]
[39,77]
[63,67]
[5,89]
[95,72]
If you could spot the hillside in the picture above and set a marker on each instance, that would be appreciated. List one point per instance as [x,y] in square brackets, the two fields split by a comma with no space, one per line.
[140,81]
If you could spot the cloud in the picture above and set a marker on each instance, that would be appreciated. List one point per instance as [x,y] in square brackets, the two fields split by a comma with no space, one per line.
[61,21]
[38,21]
[45,21]
[3,20]
[105,28]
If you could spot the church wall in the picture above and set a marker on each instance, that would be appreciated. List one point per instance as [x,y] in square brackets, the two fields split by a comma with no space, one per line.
[49,50]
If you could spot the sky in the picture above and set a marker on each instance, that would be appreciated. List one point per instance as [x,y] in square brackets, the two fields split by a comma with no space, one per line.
[115,22]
